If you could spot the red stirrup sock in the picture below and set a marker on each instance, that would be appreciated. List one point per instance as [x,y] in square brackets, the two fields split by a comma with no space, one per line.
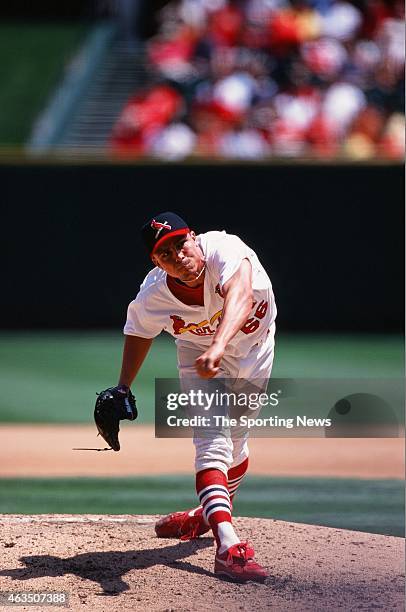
[211,487]
[235,476]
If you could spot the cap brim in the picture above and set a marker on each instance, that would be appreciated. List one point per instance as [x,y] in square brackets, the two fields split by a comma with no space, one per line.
[178,232]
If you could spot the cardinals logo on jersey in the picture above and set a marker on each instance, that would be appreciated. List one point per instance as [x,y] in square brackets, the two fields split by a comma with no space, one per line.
[204,328]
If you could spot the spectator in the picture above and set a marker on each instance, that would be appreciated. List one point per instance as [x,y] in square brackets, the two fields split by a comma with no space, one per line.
[249,79]
[143,117]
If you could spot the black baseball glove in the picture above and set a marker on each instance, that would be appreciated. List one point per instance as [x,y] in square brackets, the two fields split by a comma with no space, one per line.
[113,405]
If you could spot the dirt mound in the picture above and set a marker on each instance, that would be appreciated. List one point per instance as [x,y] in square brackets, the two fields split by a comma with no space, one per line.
[109,563]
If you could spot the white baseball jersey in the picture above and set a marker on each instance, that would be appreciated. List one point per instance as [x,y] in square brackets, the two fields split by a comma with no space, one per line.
[156,309]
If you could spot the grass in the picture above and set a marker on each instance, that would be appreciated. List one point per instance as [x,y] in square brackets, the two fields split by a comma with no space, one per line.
[375,506]
[33,58]
[53,377]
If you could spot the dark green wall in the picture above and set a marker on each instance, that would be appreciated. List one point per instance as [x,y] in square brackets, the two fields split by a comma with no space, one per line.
[330,237]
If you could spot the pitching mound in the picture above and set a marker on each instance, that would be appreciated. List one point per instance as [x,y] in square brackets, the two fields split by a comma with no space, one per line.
[109,563]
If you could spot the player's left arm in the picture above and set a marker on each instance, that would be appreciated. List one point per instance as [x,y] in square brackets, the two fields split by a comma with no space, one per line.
[238,299]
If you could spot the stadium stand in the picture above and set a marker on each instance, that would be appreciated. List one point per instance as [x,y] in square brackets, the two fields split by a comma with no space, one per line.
[253,79]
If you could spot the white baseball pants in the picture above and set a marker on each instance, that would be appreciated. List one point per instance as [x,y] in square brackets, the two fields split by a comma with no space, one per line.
[223,450]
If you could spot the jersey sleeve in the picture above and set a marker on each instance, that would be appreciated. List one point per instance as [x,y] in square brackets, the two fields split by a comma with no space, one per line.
[227,257]
[140,321]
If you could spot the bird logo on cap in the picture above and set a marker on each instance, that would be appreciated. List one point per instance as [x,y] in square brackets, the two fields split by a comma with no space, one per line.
[160,226]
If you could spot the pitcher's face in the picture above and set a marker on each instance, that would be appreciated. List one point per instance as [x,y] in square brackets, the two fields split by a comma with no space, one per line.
[180,257]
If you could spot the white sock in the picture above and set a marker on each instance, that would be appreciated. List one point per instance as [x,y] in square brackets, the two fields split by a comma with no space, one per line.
[227,536]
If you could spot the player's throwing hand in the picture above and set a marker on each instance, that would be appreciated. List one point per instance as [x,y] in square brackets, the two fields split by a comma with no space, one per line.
[207,365]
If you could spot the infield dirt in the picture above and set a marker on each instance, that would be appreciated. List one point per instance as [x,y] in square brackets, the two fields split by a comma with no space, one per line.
[46,450]
[109,563]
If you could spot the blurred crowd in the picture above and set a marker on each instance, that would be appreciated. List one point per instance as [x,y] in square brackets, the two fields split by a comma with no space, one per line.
[251,79]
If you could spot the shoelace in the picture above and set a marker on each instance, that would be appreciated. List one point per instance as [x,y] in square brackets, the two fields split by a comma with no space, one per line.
[240,553]
[193,524]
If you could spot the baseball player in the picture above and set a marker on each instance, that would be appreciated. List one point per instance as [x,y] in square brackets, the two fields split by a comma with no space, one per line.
[211,293]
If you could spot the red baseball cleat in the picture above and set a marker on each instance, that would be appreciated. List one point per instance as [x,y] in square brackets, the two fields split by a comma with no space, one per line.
[238,564]
[183,525]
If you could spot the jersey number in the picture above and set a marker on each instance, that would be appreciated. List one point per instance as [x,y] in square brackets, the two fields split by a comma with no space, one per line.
[252,323]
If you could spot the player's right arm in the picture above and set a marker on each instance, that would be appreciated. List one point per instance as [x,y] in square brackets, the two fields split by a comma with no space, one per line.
[134,352]
[144,323]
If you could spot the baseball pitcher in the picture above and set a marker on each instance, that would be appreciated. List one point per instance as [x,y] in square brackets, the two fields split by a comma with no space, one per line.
[211,293]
